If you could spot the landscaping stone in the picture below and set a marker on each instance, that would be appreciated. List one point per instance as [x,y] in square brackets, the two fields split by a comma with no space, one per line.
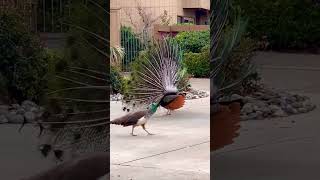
[4,109]
[14,118]
[236,96]
[28,105]
[16,113]
[3,119]
[30,116]
[280,113]
[269,103]
[247,108]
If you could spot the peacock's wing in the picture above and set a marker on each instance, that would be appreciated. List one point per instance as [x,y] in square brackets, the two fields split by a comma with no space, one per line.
[166,100]
[129,119]
[157,75]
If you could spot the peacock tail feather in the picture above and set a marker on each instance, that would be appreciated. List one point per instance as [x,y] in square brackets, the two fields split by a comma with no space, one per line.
[76,120]
[160,73]
[79,123]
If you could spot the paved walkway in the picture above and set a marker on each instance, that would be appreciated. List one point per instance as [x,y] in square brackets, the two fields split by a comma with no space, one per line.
[282,148]
[178,151]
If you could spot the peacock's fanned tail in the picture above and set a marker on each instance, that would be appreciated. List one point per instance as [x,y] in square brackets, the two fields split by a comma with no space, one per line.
[158,74]
[81,123]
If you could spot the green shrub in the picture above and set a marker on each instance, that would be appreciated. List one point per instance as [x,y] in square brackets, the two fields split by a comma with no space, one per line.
[131,44]
[23,61]
[56,64]
[116,80]
[240,60]
[287,24]
[193,41]
[198,64]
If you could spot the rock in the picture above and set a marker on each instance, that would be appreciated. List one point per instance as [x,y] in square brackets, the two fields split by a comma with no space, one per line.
[261,104]
[21,111]
[265,97]
[224,99]
[266,110]
[15,118]
[302,110]
[34,109]
[299,98]
[255,107]
[276,101]
[289,109]
[249,99]
[30,116]
[15,106]
[307,103]
[267,103]
[3,119]
[189,96]
[297,105]
[247,108]
[244,117]
[252,116]
[4,109]
[274,108]
[236,97]
[259,115]
[291,99]
[41,109]
[27,105]
[280,113]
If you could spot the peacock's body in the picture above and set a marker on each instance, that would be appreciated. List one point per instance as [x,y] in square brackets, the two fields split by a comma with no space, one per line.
[138,118]
[159,77]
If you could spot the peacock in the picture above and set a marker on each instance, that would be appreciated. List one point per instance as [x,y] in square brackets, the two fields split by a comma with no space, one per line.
[138,118]
[159,77]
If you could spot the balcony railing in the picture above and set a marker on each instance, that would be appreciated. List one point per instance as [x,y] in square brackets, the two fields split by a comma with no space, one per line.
[199,4]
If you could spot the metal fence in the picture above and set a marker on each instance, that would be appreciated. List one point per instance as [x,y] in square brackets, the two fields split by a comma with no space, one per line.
[132,44]
[50,14]
[40,15]
[135,16]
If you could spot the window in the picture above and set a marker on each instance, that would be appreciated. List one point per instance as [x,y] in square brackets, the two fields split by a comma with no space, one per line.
[180,19]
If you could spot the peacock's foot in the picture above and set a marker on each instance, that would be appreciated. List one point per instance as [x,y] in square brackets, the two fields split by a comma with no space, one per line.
[151,134]
[133,134]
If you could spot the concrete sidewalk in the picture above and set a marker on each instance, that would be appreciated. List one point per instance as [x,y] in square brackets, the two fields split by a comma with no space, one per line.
[283,148]
[179,150]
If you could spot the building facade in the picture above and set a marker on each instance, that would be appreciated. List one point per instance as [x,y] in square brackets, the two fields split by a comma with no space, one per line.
[140,13]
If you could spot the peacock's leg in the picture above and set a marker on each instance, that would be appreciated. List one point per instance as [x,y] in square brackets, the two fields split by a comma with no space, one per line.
[144,128]
[169,112]
[132,131]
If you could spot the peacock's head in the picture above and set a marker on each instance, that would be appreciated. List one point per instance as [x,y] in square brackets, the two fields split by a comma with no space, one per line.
[153,107]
